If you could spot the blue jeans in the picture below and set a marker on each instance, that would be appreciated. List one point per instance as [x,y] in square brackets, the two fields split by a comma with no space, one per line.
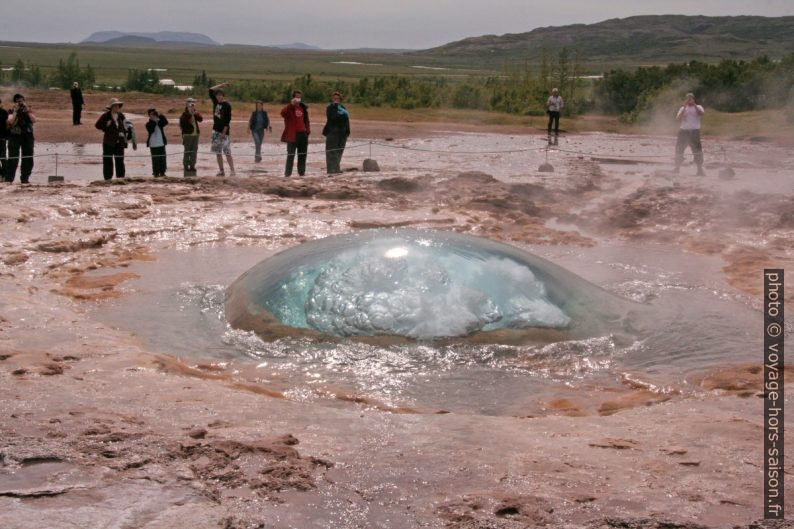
[259,136]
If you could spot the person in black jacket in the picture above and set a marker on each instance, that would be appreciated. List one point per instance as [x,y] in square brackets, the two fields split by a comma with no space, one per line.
[257,124]
[336,131]
[221,128]
[189,126]
[115,135]
[20,140]
[3,140]
[77,103]
[157,141]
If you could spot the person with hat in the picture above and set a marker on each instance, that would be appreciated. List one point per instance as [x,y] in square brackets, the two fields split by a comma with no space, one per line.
[221,127]
[189,125]
[157,141]
[336,131]
[114,141]
[20,140]
[257,123]
[689,133]
[77,103]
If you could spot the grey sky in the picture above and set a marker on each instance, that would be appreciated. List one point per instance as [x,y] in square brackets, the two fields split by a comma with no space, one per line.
[339,23]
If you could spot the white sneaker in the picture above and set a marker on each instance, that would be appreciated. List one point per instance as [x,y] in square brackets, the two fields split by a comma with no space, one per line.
[231,173]
[220,173]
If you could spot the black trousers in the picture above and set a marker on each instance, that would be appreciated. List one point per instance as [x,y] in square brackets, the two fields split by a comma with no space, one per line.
[113,154]
[3,160]
[334,148]
[301,144]
[77,111]
[688,138]
[554,116]
[19,144]
[158,161]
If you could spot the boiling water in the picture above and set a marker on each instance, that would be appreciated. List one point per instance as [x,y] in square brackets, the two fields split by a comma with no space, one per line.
[418,284]
[690,322]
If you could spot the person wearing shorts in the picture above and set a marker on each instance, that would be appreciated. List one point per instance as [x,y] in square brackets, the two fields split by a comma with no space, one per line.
[221,124]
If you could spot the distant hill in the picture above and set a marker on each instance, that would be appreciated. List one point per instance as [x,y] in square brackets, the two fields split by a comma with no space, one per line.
[294,46]
[651,38]
[135,38]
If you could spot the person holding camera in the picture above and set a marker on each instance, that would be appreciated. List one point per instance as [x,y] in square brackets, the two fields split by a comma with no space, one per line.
[116,133]
[3,140]
[20,140]
[257,124]
[157,141]
[553,108]
[77,103]
[221,127]
[689,133]
[336,131]
[188,124]
[296,132]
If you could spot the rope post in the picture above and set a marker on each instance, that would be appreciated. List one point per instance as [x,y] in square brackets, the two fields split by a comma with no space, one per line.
[546,167]
[55,178]
[370,165]
[727,172]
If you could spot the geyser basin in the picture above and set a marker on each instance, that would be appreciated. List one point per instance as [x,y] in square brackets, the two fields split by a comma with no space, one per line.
[417,284]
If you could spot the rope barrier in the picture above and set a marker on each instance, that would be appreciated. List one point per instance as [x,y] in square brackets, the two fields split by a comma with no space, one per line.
[437,151]
[547,148]
[391,146]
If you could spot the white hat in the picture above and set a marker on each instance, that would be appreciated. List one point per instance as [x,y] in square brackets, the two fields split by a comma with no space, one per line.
[114,101]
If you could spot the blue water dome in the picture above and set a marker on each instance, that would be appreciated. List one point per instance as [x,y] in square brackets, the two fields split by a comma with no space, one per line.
[417,285]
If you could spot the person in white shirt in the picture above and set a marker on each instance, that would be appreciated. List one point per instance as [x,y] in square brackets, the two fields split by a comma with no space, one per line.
[689,133]
[157,141]
[553,108]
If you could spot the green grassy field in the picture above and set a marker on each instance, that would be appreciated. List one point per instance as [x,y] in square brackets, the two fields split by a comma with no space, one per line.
[230,63]
[235,63]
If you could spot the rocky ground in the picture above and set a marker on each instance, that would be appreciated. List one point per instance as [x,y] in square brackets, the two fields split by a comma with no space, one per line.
[98,431]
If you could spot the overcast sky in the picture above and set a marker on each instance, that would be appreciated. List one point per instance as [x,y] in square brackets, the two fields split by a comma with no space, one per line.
[339,23]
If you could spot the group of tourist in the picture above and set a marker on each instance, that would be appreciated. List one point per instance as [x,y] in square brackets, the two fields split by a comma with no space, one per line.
[17,142]
[119,132]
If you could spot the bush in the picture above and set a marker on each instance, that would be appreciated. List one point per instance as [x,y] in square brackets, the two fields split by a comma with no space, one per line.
[729,86]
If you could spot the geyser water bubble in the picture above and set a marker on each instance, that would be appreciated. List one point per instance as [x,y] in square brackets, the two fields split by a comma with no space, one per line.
[417,284]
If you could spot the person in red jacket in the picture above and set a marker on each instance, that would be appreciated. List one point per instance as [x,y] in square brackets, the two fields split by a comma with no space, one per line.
[296,132]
